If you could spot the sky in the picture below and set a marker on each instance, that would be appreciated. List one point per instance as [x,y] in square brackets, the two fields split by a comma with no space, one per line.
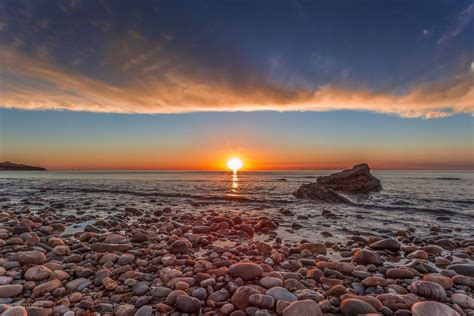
[282,84]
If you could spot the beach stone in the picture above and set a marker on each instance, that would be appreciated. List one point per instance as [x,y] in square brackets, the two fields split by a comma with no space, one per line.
[106,247]
[386,244]
[304,307]
[246,270]
[125,310]
[314,248]
[226,309]
[15,311]
[140,288]
[187,304]
[432,308]
[280,293]
[10,290]
[374,281]
[395,301]
[463,280]
[219,296]
[181,246]
[366,257]
[355,307]
[358,179]
[113,238]
[28,257]
[463,300]
[46,287]
[37,273]
[75,284]
[109,283]
[262,300]
[160,291]
[201,229]
[60,275]
[464,269]
[241,295]
[398,273]
[429,290]
[145,310]
[4,280]
[125,259]
[269,282]
[442,280]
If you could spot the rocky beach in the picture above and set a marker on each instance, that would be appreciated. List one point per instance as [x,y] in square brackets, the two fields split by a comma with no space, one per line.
[146,258]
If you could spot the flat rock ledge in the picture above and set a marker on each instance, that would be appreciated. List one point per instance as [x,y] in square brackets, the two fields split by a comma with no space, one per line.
[356,180]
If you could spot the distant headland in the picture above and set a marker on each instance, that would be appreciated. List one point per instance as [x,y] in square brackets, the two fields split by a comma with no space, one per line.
[10,166]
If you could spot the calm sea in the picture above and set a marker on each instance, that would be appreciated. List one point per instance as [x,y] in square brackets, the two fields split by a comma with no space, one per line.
[408,199]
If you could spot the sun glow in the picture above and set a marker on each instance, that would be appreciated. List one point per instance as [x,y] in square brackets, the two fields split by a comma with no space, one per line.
[235,164]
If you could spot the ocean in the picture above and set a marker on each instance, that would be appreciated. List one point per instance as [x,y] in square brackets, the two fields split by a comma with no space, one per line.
[416,199]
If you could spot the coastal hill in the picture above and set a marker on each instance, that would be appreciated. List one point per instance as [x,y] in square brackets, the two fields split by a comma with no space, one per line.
[10,166]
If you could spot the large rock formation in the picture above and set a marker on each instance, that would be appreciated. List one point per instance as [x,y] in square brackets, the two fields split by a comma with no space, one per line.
[10,166]
[358,179]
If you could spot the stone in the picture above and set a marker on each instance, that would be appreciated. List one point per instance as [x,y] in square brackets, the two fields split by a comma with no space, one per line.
[355,307]
[15,311]
[144,311]
[429,290]
[280,293]
[366,257]
[46,287]
[432,309]
[241,295]
[187,304]
[314,248]
[395,301]
[181,246]
[160,291]
[304,307]
[37,273]
[386,244]
[125,310]
[374,281]
[10,290]
[262,301]
[461,268]
[442,280]
[28,257]
[269,282]
[399,273]
[463,300]
[246,270]
[106,247]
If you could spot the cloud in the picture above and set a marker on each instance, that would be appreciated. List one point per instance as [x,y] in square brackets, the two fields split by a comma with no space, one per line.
[463,19]
[40,84]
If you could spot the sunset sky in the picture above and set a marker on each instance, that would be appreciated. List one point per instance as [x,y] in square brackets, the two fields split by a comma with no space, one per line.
[282,84]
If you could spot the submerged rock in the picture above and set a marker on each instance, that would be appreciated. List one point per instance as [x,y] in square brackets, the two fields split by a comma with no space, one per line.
[315,191]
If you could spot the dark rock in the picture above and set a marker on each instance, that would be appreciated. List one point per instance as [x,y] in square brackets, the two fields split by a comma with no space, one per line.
[358,179]
[315,191]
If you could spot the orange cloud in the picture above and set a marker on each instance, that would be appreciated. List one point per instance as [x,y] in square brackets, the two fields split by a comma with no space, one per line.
[40,84]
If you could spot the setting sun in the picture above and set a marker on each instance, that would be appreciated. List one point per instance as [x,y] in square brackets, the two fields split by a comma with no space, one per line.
[235,164]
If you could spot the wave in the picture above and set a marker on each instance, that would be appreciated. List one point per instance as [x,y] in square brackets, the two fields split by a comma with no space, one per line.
[234,198]
[413,209]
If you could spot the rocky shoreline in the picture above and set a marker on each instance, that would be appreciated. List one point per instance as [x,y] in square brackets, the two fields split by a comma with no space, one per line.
[167,262]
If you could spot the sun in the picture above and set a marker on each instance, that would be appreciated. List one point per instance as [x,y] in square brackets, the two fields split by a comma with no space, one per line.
[235,164]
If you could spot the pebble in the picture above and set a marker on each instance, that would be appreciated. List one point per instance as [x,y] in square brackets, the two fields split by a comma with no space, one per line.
[355,307]
[432,309]
[246,270]
[304,307]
